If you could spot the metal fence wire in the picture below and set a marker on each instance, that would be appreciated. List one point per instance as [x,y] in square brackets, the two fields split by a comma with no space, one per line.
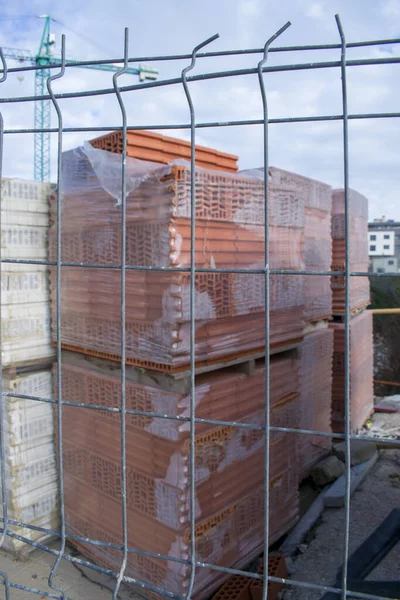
[262,70]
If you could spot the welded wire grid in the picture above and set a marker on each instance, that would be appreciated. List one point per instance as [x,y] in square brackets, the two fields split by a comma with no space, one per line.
[261,70]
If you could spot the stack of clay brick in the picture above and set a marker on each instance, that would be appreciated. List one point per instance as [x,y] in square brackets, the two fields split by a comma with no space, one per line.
[358,250]
[229,307]
[316,197]
[229,336]
[156,148]
[316,355]
[316,350]
[228,471]
[361,342]
[361,372]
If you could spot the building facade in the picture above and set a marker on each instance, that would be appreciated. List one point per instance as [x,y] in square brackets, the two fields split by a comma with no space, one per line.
[381,243]
[384,246]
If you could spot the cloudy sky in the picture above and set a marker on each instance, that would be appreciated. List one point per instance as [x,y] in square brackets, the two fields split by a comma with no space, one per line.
[94,30]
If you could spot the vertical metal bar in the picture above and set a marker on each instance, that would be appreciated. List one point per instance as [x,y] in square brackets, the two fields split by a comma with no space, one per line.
[58,316]
[267,304]
[123,319]
[347,310]
[2,399]
[6,585]
[192,487]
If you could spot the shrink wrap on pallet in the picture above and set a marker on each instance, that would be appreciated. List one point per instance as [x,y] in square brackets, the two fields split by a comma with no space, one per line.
[30,464]
[358,250]
[361,372]
[228,470]
[316,356]
[318,249]
[229,307]
[315,196]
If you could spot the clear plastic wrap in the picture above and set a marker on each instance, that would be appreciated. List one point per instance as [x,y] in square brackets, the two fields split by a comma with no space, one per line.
[318,253]
[314,211]
[30,465]
[358,249]
[316,356]
[361,372]
[229,234]
[228,463]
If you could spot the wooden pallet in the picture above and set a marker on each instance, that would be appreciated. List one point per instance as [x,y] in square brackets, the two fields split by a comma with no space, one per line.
[28,366]
[246,359]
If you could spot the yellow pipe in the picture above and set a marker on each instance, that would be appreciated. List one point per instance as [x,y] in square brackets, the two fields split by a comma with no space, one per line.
[396,383]
[385,311]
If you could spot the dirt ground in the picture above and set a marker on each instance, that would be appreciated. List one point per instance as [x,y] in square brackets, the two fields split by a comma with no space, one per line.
[33,572]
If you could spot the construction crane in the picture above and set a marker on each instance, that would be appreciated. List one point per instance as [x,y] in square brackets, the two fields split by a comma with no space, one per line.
[44,58]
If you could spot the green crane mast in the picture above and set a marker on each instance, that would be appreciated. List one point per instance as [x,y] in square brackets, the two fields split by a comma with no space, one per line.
[42,120]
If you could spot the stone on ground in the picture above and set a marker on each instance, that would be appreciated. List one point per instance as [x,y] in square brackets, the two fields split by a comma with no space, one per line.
[327,470]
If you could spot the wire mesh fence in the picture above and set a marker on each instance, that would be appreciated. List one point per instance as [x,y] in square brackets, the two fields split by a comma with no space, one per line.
[191,561]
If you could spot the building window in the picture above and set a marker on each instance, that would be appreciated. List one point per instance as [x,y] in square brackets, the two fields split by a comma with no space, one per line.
[390,262]
[372,248]
[380,270]
[386,237]
[372,238]
[386,247]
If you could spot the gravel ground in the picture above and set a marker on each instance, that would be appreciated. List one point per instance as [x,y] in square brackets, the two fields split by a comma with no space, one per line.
[370,504]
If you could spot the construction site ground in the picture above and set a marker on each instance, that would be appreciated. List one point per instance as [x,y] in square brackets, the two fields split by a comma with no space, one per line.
[317,561]
[320,557]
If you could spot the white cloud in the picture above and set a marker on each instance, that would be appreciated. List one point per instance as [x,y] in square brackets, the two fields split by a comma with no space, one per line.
[315,10]
[391,9]
[250,8]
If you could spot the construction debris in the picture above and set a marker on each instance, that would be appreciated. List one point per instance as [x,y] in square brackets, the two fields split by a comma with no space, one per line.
[327,470]
[360,451]
[336,495]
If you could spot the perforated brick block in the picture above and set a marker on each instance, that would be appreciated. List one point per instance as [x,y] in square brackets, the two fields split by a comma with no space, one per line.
[236,588]
[361,372]
[229,308]
[276,568]
[316,358]
[358,251]
[154,147]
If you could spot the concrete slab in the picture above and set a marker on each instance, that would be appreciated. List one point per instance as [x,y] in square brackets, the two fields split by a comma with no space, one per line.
[335,497]
[360,451]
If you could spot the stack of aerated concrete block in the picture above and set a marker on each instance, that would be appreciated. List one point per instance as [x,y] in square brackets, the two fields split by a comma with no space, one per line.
[30,471]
